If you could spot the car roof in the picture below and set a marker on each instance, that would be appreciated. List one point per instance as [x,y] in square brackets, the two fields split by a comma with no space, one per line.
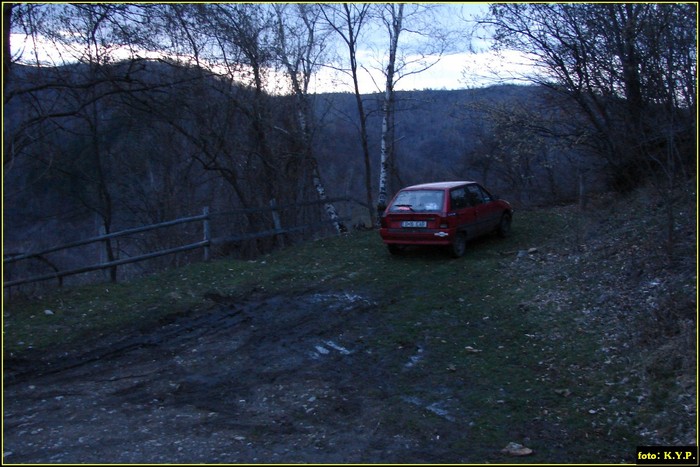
[438,185]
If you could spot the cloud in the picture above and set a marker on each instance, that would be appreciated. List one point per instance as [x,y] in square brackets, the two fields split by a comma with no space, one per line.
[454,71]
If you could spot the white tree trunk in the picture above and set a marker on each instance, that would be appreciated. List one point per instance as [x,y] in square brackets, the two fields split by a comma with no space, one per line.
[384,157]
[294,61]
[316,177]
[394,26]
[329,207]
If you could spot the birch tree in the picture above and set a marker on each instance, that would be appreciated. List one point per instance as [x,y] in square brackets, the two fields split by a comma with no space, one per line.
[300,45]
[393,21]
[425,43]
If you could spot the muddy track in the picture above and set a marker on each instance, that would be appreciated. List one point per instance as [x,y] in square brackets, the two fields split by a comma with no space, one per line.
[269,379]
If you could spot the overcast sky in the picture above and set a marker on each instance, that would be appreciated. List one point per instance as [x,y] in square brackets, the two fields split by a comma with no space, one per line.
[458,69]
[471,64]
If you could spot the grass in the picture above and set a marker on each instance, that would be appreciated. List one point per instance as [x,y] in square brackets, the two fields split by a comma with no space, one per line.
[502,330]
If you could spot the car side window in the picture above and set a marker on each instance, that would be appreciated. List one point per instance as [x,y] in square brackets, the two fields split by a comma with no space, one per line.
[474,195]
[458,198]
[486,196]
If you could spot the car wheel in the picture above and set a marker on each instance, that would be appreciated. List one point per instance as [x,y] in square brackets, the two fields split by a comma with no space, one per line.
[459,246]
[504,225]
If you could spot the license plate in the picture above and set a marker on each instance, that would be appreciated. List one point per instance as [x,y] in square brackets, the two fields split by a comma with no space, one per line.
[414,224]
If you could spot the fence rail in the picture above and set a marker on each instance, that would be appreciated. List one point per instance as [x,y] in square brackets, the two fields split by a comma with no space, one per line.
[205,243]
[100,238]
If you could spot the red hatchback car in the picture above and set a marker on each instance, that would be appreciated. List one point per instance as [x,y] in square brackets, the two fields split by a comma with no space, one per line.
[443,213]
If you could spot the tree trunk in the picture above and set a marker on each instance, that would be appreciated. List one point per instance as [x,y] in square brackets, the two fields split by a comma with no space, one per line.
[384,156]
[6,47]
[388,107]
[353,17]
[329,207]
[293,63]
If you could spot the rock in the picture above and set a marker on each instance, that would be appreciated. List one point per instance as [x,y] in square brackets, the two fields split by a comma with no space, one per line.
[515,449]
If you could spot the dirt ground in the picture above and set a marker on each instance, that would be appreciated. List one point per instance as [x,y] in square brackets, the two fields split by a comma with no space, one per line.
[263,379]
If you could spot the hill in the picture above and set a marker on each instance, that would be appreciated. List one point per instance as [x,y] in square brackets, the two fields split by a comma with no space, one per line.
[454,135]
[166,144]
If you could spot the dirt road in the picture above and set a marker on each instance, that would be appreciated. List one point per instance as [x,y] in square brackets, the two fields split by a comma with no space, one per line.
[264,379]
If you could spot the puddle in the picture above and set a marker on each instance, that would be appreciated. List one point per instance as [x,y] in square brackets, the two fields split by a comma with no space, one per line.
[344,301]
[339,348]
[435,407]
[414,359]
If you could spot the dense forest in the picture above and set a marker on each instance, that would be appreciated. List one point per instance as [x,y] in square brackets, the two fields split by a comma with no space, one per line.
[101,143]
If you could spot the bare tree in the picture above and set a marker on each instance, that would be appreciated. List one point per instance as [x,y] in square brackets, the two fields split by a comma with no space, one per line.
[6,42]
[89,35]
[426,44]
[347,21]
[224,110]
[75,109]
[300,47]
[621,63]
[393,21]
[58,47]
[628,67]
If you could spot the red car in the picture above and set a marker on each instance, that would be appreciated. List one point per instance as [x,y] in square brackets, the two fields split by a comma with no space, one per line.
[443,213]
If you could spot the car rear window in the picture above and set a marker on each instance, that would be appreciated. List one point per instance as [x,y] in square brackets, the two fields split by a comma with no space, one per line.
[418,201]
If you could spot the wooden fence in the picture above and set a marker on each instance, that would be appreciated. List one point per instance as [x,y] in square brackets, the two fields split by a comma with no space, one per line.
[205,244]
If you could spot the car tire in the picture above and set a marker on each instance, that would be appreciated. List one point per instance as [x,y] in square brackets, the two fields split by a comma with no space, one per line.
[504,226]
[459,245]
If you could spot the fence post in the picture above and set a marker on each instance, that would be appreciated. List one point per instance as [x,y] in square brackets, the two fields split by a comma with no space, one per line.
[277,222]
[207,232]
[101,232]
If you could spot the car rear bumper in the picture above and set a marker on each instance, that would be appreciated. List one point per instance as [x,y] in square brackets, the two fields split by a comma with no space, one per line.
[417,236]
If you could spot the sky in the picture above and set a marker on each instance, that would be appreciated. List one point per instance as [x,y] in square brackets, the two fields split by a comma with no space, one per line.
[452,71]
[458,69]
